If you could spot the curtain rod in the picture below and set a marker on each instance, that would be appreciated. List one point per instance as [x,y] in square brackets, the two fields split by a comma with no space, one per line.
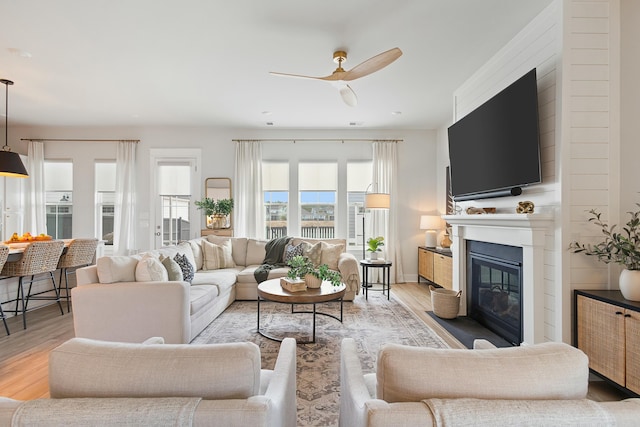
[294,140]
[78,140]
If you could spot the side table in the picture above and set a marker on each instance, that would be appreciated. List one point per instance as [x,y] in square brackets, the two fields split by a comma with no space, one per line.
[386,276]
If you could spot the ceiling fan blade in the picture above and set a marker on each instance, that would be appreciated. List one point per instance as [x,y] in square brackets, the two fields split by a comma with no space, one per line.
[348,95]
[372,65]
[298,76]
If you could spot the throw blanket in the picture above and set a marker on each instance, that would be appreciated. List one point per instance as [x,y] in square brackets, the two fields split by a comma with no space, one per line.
[272,258]
[81,412]
[485,412]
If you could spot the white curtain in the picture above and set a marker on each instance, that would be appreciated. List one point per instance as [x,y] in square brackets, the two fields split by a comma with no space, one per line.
[124,230]
[385,222]
[35,214]
[248,204]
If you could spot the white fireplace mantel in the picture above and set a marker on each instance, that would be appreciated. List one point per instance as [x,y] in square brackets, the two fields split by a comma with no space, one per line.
[527,231]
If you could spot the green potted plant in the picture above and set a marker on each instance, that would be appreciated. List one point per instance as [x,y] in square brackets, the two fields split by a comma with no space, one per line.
[301,267]
[216,211]
[621,248]
[374,244]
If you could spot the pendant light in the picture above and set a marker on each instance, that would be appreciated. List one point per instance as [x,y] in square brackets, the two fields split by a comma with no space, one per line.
[10,163]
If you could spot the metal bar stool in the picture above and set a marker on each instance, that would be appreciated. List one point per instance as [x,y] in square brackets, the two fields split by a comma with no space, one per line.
[80,253]
[37,258]
[4,254]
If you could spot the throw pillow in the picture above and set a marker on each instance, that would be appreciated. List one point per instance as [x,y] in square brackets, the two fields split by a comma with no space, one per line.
[173,269]
[331,254]
[112,269]
[149,269]
[217,256]
[313,252]
[292,251]
[185,266]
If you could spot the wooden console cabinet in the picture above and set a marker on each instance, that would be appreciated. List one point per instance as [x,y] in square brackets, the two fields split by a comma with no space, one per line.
[607,329]
[226,232]
[435,266]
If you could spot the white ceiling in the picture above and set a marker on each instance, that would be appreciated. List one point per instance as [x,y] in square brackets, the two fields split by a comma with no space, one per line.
[207,62]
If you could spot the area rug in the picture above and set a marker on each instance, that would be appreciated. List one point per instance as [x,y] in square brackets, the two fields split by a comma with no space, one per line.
[371,323]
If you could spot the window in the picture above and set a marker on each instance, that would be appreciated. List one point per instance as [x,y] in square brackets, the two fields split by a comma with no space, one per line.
[58,186]
[318,186]
[174,188]
[105,180]
[275,186]
[358,179]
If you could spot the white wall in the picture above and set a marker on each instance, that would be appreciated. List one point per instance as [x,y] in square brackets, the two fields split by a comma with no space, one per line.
[417,167]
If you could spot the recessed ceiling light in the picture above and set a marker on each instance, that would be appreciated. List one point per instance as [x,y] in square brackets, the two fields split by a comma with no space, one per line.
[269,123]
[396,113]
[267,113]
[356,123]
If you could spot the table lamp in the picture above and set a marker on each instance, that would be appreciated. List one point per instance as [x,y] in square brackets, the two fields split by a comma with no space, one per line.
[430,223]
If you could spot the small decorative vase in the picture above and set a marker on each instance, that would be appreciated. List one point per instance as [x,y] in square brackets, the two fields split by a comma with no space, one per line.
[374,255]
[217,221]
[446,241]
[312,281]
[630,284]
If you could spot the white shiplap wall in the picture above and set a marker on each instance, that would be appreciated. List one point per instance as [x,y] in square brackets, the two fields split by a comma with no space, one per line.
[538,45]
[591,127]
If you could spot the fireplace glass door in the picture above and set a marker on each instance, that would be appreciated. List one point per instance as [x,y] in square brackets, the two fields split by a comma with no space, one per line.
[496,289]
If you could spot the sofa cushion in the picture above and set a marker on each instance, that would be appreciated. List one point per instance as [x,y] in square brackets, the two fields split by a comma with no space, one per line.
[217,256]
[255,251]
[196,249]
[247,276]
[313,251]
[112,269]
[224,278]
[185,265]
[174,272]
[331,254]
[292,251]
[83,367]
[238,245]
[201,295]
[150,269]
[542,371]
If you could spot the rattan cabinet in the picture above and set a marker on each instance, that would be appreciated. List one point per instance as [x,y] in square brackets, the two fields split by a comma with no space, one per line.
[608,331]
[435,266]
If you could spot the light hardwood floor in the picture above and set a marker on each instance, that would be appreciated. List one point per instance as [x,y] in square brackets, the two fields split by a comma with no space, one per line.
[24,354]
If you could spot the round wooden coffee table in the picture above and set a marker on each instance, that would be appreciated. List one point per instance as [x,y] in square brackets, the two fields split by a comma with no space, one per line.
[270,290]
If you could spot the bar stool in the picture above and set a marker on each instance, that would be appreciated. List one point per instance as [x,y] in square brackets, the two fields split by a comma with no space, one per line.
[4,254]
[37,258]
[80,253]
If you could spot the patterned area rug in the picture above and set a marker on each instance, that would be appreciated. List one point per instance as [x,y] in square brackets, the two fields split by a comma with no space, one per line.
[371,323]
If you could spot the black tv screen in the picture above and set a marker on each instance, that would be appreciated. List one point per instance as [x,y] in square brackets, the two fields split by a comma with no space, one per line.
[495,149]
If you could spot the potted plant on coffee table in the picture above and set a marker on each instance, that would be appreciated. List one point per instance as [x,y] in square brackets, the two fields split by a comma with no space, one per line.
[619,248]
[301,267]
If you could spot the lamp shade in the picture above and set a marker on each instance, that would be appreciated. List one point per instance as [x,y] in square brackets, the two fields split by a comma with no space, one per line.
[430,222]
[11,165]
[377,201]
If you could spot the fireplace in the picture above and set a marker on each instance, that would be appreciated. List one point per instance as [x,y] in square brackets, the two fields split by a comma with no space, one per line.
[494,278]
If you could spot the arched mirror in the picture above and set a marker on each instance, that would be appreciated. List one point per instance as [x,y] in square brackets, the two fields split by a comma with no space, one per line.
[217,189]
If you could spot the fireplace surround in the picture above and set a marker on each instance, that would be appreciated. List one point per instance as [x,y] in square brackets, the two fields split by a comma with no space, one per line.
[526,231]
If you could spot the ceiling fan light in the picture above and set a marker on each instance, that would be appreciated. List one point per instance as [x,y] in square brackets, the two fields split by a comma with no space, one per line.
[348,96]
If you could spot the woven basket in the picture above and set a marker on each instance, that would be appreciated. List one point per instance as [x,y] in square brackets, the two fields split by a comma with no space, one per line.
[445,302]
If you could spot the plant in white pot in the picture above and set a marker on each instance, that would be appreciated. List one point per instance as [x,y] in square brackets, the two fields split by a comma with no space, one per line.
[374,245]
[619,248]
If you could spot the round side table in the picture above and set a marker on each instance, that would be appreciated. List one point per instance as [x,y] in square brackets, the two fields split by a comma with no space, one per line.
[386,276]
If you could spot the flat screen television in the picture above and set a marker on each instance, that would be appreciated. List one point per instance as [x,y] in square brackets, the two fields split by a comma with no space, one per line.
[495,150]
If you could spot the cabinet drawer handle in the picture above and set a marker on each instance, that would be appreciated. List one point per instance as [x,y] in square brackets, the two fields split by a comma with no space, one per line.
[627,315]
[618,313]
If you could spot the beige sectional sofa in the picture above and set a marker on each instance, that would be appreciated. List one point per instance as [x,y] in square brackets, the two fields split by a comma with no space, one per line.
[104,383]
[117,300]
[542,384]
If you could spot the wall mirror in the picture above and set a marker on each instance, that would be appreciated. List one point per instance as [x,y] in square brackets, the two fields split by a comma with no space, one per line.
[219,188]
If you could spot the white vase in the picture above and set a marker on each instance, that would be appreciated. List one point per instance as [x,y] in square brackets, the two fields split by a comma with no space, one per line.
[630,284]
[312,281]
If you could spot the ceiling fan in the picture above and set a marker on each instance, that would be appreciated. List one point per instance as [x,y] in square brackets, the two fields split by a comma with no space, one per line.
[339,77]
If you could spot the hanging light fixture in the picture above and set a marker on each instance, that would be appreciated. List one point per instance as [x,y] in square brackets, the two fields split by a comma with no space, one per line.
[10,163]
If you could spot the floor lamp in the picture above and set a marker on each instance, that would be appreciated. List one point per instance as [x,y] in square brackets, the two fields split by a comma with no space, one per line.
[373,201]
